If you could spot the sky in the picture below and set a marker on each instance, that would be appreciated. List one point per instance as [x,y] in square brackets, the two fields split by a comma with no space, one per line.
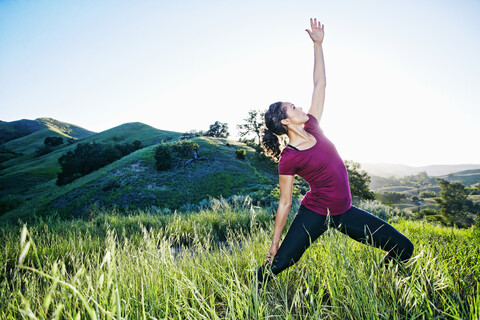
[403,77]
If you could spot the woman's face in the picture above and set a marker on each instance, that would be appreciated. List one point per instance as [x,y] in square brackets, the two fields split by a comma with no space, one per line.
[295,115]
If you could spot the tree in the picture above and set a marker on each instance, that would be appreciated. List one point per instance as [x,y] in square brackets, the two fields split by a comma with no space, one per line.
[88,157]
[53,141]
[253,125]
[164,157]
[218,130]
[453,199]
[359,181]
[167,154]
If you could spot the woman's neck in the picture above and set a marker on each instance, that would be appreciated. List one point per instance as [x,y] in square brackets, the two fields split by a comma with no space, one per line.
[297,135]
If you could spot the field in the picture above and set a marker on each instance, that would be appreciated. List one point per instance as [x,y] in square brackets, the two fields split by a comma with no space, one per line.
[200,265]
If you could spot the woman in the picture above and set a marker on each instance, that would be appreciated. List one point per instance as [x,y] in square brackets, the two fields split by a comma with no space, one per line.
[328,203]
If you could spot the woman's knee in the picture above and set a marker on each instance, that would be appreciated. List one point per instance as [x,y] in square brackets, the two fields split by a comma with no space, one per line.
[281,263]
[407,251]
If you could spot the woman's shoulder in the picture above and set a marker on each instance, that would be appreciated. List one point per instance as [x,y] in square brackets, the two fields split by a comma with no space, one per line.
[287,163]
[312,124]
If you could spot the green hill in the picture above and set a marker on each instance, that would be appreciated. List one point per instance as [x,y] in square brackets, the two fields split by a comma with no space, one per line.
[21,175]
[134,182]
[17,129]
[39,130]
[467,177]
[129,132]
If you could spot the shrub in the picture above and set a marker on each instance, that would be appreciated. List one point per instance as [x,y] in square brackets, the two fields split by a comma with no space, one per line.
[164,157]
[167,153]
[389,197]
[88,157]
[240,153]
[10,202]
[53,141]
[43,150]
[185,149]
[380,210]
[427,194]
[427,212]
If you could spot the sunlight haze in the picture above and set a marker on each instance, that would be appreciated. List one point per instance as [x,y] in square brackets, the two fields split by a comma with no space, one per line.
[402,77]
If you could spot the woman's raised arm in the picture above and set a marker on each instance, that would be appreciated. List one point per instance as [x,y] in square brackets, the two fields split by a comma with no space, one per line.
[319,79]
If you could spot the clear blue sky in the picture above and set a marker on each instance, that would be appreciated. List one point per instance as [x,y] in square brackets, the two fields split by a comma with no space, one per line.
[403,77]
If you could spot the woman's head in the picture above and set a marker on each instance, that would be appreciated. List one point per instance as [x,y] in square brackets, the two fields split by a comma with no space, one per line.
[274,128]
[278,118]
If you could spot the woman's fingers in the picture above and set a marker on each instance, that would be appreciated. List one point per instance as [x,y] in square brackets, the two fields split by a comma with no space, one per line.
[315,25]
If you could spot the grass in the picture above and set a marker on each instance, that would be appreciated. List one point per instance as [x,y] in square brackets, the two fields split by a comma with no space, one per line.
[26,172]
[201,266]
[119,184]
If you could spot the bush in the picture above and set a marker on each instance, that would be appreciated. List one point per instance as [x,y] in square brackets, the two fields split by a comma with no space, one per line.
[10,202]
[164,157]
[240,153]
[43,150]
[427,212]
[380,210]
[390,197]
[427,194]
[53,141]
[167,153]
[88,157]
[185,149]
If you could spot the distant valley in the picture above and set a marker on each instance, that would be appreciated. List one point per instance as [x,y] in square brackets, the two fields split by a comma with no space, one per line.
[386,170]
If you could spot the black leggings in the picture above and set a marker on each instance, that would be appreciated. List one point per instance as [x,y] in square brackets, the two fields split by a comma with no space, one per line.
[356,223]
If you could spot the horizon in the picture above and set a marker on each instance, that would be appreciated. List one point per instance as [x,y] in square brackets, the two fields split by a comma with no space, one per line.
[236,138]
[401,77]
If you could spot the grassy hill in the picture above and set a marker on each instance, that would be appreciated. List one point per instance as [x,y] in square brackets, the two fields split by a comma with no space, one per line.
[201,265]
[40,129]
[22,174]
[467,177]
[17,129]
[399,170]
[133,181]
[129,132]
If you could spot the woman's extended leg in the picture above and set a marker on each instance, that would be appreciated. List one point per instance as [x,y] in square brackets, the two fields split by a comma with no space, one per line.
[367,228]
[306,227]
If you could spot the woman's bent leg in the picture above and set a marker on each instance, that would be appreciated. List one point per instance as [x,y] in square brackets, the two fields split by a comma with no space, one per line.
[367,228]
[306,227]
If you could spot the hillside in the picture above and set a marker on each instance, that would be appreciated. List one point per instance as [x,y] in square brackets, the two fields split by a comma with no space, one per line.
[30,134]
[467,177]
[17,129]
[134,182]
[385,170]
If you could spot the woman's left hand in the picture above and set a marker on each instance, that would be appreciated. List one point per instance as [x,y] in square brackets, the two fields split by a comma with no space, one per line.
[316,34]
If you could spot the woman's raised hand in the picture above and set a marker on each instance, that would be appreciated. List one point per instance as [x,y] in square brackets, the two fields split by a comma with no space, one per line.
[316,34]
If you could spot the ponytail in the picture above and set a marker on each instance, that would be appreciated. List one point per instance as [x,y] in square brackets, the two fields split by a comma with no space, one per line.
[271,144]
[274,128]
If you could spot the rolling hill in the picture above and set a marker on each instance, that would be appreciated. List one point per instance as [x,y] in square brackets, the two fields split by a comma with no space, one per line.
[28,179]
[467,177]
[21,174]
[132,181]
[25,136]
[386,170]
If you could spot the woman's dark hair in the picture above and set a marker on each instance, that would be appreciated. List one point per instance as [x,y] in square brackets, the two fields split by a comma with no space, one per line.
[274,128]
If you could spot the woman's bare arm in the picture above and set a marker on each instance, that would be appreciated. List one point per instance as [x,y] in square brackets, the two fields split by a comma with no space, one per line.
[284,205]
[319,79]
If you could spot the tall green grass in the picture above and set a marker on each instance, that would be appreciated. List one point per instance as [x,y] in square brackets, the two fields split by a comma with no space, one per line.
[201,266]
